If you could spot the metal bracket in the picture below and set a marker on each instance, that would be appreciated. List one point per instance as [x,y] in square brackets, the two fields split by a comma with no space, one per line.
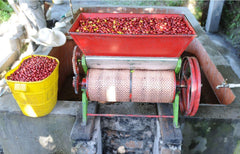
[84,107]
[178,67]
[84,64]
[228,85]
[176,110]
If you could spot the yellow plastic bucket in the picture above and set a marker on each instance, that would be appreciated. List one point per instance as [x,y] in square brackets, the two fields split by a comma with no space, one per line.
[38,98]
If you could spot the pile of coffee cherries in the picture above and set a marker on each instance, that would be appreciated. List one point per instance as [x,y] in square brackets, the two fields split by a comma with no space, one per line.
[35,68]
[174,25]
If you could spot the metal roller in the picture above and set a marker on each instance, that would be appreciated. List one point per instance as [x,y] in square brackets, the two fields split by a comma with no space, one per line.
[108,85]
[153,86]
[135,86]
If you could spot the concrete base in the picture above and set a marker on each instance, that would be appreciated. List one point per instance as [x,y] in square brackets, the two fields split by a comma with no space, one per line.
[93,146]
[81,132]
[211,136]
[170,135]
[26,135]
[11,43]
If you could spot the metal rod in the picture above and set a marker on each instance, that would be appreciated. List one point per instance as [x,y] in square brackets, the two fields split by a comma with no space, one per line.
[129,115]
[181,86]
[228,85]
[70,3]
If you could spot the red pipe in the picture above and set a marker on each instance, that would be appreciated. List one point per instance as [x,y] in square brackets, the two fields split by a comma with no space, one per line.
[224,95]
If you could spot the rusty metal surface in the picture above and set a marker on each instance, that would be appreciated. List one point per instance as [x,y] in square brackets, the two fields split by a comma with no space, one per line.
[64,55]
[153,86]
[108,85]
[224,95]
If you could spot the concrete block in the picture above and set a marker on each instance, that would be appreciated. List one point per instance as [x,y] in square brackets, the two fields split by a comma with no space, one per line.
[25,135]
[93,146]
[165,151]
[214,15]
[169,134]
[80,132]
[9,52]
[12,44]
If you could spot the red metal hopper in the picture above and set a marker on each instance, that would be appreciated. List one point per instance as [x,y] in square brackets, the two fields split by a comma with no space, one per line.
[97,44]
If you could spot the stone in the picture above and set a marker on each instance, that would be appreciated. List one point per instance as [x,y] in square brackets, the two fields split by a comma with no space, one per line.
[85,147]
[93,146]
[147,134]
[169,134]
[111,133]
[165,151]
[131,134]
[149,144]
[177,151]
[121,150]
[146,152]
[134,144]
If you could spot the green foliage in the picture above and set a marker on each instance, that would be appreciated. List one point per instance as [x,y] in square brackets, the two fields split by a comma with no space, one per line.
[230,21]
[163,3]
[175,2]
[24,48]
[201,10]
[4,16]
[237,148]
[5,11]
[5,7]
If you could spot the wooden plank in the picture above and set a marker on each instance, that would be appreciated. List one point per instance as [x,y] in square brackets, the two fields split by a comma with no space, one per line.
[169,134]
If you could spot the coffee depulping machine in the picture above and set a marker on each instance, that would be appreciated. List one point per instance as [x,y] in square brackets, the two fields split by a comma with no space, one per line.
[136,68]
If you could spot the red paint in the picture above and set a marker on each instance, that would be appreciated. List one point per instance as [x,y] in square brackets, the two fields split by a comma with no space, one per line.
[130,45]
[198,88]
[130,96]
[84,82]
[190,96]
